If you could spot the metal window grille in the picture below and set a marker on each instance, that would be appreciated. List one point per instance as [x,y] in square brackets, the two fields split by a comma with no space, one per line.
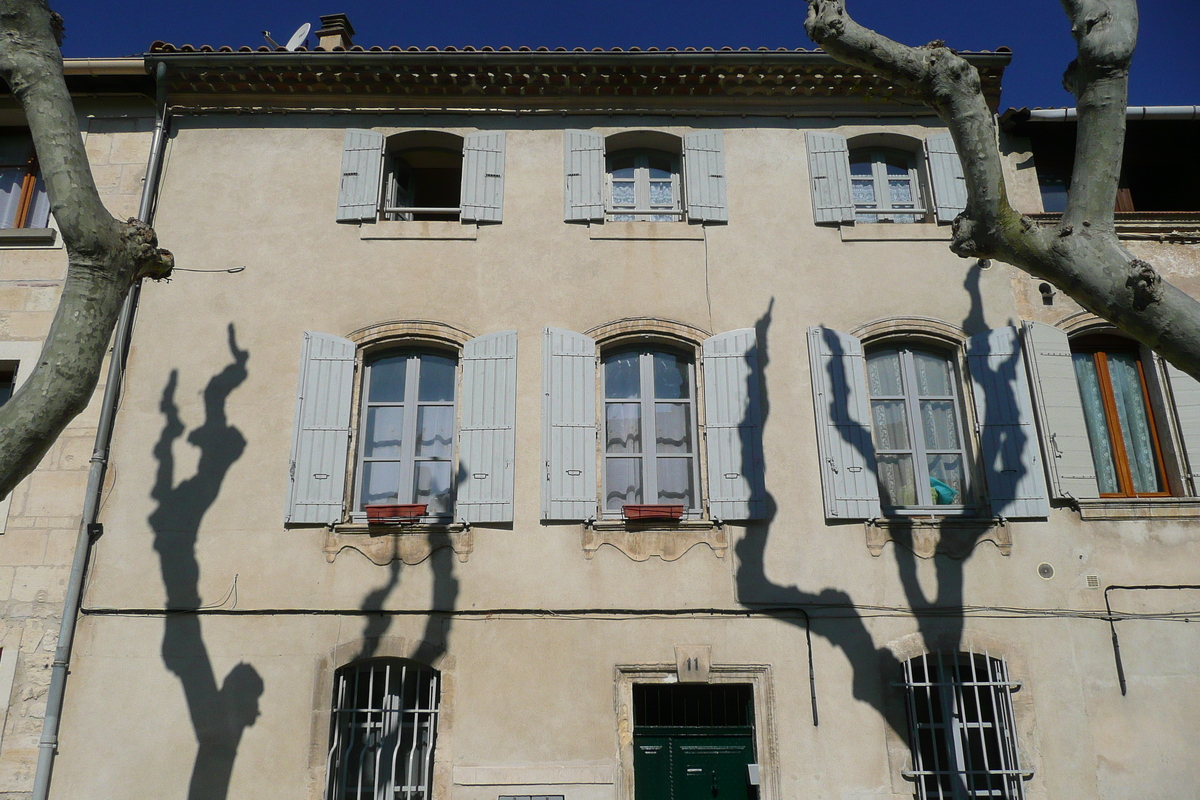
[383,731]
[961,727]
[676,705]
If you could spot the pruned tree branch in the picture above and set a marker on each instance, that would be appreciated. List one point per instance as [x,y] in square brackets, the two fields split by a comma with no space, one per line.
[1082,255]
[105,257]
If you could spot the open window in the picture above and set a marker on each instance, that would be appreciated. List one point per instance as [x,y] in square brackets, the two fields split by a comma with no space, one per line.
[644,176]
[422,176]
[23,200]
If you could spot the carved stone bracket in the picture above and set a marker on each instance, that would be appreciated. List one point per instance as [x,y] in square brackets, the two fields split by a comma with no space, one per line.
[412,545]
[948,537]
[641,541]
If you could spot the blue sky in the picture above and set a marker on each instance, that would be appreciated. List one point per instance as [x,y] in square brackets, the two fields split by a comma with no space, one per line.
[1166,67]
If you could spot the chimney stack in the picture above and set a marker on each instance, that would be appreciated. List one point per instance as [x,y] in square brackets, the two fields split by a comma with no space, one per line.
[336,31]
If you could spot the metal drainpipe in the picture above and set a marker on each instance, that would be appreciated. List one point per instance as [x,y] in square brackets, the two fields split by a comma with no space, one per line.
[48,745]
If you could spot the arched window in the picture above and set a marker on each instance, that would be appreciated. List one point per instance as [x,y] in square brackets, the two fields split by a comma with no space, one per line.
[649,429]
[424,176]
[916,423]
[383,730]
[883,182]
[962,731]
[406,433]
[644,185]
[1121,427]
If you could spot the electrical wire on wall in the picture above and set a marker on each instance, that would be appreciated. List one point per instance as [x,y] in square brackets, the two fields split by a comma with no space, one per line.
[707,287]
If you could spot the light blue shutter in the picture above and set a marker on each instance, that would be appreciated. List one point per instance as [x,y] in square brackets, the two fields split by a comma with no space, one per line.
[583,176]
[1065,442]
[946,174]
[733,426]
[829,176]
[1007,434]
[483,177]
[704,176]
[486,435]
[1185,390]
[569,425]
[362,163]
[843,414]
[322,432]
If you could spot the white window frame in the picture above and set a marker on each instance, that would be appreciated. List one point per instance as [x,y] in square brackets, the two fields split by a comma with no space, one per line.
[916,436]
[882,209]
[649,456]
[412,404]
[941,691]
[643,210]
[382,722]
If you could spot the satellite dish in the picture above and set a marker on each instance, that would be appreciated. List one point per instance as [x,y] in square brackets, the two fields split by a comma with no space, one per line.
[298,37]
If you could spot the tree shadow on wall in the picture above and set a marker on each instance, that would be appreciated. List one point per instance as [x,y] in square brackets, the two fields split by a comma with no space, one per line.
[835,614]
[219,714]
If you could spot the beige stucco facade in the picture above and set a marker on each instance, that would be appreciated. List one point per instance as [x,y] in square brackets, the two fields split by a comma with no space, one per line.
[539,629]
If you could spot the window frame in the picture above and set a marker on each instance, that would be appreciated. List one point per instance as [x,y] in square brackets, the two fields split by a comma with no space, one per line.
[929,737]
[31,185]
[1099,346]
[905,348]
[880,182]
[648,431]
[392,211]
[412,351]
[425,713]
[643,210]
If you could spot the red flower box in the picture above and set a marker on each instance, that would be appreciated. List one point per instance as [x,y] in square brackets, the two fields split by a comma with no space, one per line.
[409,512]
[652,512]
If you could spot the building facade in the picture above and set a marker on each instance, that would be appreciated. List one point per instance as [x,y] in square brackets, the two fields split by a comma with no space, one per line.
[618,426]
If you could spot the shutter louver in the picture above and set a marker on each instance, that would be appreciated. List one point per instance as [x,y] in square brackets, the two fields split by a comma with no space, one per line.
[1068,452]
[483,177]
[316,494]
[1007,434]
[569,425]
[843,414]
[829,176]
[946,174]
[1185,390]
[704,176]
[362,163]
[486,434]
[583,176]
[733,426]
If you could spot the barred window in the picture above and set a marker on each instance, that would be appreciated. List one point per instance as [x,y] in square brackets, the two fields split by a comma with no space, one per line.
[383,730]
[961,727]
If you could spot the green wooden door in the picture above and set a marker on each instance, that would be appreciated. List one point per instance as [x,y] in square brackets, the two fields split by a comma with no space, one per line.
[693,764]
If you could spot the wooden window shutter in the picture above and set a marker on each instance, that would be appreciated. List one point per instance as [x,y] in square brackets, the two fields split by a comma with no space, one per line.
[733,426]
[829,177]
[483,177]
[583,176]
[843,413]
[704,176]
[316,492]
[1068,452]
[1012,464]
[1185,390]
[946,175]
[362,165]
[569,489]
[486,434]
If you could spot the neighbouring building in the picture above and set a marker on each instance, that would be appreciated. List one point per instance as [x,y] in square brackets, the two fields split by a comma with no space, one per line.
[617,425]
[39,521]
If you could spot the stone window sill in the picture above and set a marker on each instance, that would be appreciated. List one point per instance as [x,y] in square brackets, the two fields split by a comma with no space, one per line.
[651,231]
[895,232]
[955,537]
[28,237]
[419,229]
[1144,508]
[410,544]
[641,540]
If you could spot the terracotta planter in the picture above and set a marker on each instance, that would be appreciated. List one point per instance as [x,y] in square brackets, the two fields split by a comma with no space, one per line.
[652,512]
[410,512]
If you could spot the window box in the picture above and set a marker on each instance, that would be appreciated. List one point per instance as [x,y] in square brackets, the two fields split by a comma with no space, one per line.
[395,514]
[652,512]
